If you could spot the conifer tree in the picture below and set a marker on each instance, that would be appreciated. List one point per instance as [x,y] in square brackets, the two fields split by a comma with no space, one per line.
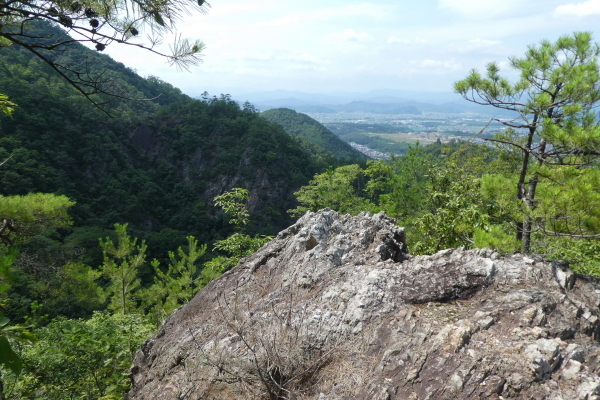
[121,265]
[177,285]
[555,131]
[25,216]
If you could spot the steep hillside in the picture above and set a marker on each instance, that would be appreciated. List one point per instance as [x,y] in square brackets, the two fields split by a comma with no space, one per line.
[311,131]
[155,164]
[200,149]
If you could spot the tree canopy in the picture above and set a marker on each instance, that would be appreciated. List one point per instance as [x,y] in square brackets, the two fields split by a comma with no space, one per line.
[314,136]
[555,130]
[25,216]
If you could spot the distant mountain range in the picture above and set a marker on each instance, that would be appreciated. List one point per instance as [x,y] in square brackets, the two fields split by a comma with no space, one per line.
[374,102]
[376,96]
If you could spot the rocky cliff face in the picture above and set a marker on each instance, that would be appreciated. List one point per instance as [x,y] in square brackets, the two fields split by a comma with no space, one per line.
[333,308]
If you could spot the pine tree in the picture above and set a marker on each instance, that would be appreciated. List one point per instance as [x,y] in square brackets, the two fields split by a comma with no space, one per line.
[177,285]
[555,131]
[121,265]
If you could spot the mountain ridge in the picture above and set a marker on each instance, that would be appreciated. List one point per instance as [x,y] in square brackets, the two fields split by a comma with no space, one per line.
[307,129]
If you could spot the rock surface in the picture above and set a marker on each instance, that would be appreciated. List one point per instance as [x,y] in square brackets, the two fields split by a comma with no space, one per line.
[333,308]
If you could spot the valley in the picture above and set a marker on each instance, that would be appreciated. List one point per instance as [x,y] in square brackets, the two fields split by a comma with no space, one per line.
[381,126]
[379,135]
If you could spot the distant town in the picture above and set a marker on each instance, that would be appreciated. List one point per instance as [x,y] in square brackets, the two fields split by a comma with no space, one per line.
[424,128]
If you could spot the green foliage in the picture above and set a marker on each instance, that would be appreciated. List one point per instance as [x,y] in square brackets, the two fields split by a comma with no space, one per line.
[53,276]
[24,216]
[82,359]
[82,243]
[498,189]
[583,254]
[311,131]
[232,202]
[435,191]
[234,246]
[6,106]
[496,237]
[8,358]
[80,283]
[339,189]
[100,24]
[555,100]
[569,203]
[17,334]
[400,187]
[153,164]
[7,272]
[177,285]
[450,195]
[121,266]
[237,246]
[456,211]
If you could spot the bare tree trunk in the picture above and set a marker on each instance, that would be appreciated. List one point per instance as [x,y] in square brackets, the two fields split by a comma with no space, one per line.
[526,235]
[528,197]
[529,200]
[528,221]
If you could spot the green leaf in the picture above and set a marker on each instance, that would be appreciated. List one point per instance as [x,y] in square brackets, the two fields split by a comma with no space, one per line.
[6,106]
[4,321]
[8,357]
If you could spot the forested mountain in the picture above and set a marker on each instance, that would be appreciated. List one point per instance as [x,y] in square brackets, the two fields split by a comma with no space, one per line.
[311,131]
[155,164]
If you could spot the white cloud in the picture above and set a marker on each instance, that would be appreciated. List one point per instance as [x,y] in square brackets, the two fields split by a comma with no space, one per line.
[394,39]
[483,42]
[351,35]
[289,16]
[477,45]
[273,44]
[303,58]
[584,9]
[265,63]
[480,8]
[436,64]
[365,11]
[224,9]
[303,67]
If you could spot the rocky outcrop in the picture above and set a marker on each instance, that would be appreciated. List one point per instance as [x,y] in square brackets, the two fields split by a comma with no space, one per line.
[334,308]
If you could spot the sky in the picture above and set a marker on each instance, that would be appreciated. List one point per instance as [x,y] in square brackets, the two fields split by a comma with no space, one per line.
[327,46]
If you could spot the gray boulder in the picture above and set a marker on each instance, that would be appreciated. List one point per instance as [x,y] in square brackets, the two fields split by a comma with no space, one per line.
[334,308]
